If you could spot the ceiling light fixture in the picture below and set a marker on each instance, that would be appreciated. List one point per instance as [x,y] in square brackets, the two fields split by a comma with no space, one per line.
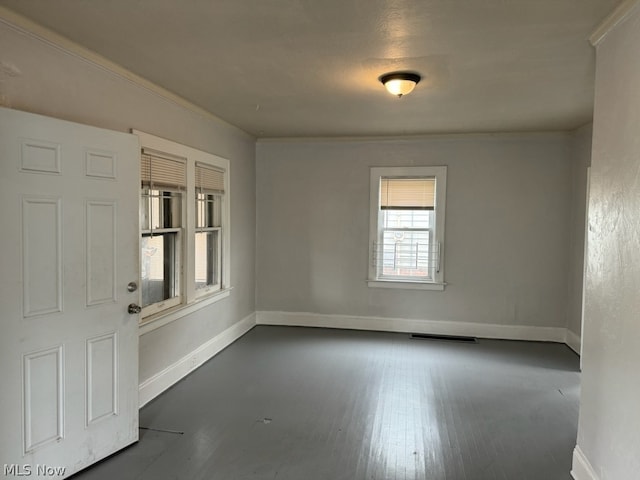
[400,83]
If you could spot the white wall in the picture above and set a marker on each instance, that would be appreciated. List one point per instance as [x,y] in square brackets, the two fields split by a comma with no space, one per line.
[580,162]
[609,426]
[54,82]
[507,228]
[509,221]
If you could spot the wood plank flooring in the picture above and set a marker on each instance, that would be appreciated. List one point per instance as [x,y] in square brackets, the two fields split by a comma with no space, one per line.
[292,403]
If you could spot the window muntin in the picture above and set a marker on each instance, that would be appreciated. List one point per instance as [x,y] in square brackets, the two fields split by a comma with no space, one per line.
[407,225]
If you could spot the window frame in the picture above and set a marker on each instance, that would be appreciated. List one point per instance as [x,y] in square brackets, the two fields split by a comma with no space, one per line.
[376,227]
[214,287]
[177,230]
[192,298]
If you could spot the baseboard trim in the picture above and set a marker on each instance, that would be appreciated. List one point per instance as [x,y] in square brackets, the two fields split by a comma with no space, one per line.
[154,386]
[582,469]
[573,341]
[404,325]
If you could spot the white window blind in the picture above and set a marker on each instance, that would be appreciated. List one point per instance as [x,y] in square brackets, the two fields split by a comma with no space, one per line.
[158,171]
[209,179]
[407,193]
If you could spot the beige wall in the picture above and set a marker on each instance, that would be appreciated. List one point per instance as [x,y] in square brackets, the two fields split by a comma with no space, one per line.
[507,228]
[58,84]
[609,426]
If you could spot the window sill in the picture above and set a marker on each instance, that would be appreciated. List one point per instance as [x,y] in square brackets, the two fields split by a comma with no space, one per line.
[406,285]
[160,319]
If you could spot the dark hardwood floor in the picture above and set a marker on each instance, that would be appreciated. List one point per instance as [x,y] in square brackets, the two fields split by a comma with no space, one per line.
[292,403]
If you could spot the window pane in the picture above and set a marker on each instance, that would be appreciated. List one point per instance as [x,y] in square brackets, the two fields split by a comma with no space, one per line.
[208,210]
[407,218]
[207,258]
[158,267]
[160,209]
[407,249]
[407,253]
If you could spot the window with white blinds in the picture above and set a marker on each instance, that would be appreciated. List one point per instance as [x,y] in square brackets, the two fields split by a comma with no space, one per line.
[407,227]
[209,194]
[184,228]
[163,182]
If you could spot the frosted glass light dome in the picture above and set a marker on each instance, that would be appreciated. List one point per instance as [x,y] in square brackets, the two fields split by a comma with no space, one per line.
[400,83]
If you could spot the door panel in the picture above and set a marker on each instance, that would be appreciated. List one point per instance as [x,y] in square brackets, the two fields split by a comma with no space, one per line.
[69,238]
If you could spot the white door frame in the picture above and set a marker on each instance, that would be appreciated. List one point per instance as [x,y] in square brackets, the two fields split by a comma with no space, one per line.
[584,261]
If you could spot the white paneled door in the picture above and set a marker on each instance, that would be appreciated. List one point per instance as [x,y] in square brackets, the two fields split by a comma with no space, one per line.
[69,248]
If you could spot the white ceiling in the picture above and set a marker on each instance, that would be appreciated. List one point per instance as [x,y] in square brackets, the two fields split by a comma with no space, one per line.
[292,68]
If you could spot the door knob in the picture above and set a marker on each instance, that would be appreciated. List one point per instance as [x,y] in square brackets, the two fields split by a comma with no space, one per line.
[133,308]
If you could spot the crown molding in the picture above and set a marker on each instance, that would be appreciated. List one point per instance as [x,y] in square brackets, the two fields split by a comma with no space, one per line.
[36,31]
[621,12]
[419,137]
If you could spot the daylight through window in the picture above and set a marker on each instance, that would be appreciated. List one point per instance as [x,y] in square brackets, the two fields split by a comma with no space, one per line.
[163,184]
[407,225]
[184,229]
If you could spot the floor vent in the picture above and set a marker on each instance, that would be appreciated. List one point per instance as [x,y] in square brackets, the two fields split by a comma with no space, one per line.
[446,338]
